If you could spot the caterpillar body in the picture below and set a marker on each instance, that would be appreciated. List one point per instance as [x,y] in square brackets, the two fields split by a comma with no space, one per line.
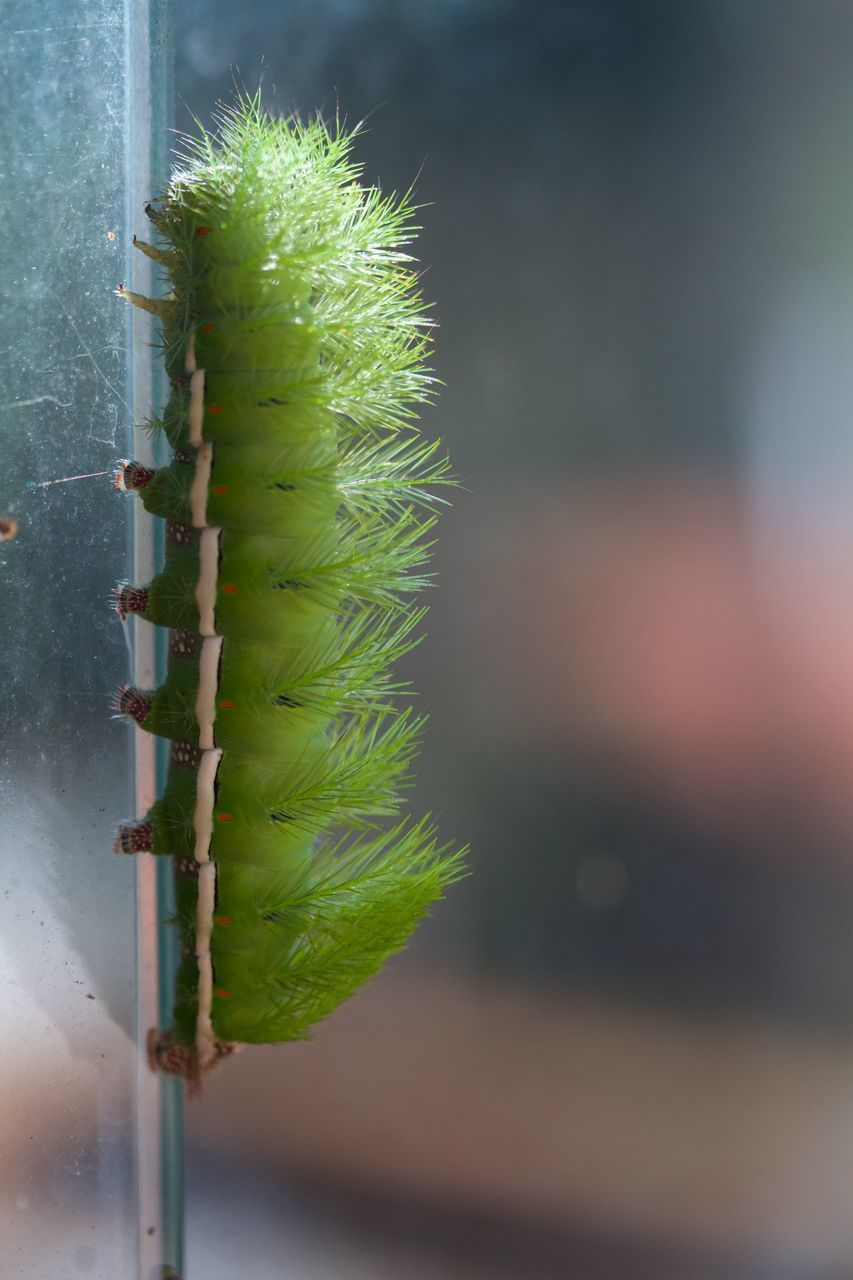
[296,506]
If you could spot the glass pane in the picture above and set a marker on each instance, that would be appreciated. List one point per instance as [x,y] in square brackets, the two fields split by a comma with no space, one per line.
[84,92]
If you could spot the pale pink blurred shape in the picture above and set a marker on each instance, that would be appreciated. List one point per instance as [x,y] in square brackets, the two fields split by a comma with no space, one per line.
[649,621]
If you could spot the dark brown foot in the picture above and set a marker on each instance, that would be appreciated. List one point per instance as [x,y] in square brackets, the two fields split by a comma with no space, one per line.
[132,475]
[134,837]
[132,702]
[182,1059]
[129,599]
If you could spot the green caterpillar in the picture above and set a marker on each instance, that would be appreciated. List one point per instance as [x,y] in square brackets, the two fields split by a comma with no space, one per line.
[297,502]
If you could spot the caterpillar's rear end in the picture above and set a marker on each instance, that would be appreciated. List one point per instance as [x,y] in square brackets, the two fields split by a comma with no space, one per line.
[297,506]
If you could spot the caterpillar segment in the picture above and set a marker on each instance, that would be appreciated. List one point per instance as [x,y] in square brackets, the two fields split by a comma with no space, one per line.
[297,505]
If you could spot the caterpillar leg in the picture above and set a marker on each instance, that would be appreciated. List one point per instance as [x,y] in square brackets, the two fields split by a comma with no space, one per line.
[132,475]
[174,1059]
[133,837]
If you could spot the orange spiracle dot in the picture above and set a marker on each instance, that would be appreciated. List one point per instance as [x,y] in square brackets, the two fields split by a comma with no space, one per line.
[223,920]
[220,488]
[222,993]
[228,589]
[225,817]
[214,408]
[203,231]
[208,328]
[227,705]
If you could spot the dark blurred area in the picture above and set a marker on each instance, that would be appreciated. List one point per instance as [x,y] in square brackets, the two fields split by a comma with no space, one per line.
[623,1047]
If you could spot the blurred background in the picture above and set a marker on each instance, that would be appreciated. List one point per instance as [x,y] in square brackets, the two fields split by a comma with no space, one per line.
[623,1047]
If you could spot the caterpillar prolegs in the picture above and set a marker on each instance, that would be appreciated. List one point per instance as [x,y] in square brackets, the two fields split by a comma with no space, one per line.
[296,509]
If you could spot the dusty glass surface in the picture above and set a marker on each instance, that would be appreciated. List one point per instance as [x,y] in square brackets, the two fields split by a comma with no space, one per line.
[81,1117]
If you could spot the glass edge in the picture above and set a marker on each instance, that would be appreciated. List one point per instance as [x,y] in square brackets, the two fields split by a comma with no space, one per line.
[159,1148]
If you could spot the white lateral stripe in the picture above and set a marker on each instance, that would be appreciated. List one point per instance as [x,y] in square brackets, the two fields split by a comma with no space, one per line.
[208,574]
[200,485]
[204,799]
[208,683]
[205,905]
[205,1040]
[205,710]
[196,414]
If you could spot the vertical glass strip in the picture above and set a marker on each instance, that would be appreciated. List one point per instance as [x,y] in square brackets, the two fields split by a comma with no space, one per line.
[88,1137]
[159,1113]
